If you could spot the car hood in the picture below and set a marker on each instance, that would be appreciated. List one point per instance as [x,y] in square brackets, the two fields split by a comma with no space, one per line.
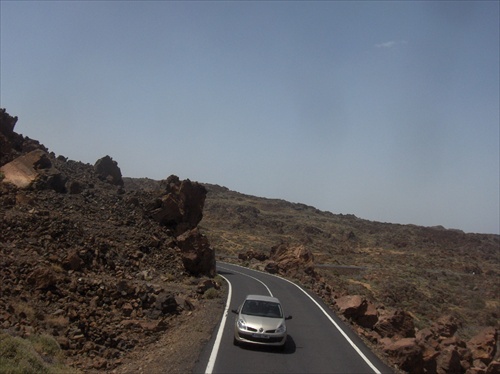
[265,322]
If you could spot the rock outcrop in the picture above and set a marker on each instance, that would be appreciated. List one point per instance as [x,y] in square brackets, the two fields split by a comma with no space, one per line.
[107,170]
[34,169]
[197,256]
[181,207]
[82,258]
[295,261]
[436,349]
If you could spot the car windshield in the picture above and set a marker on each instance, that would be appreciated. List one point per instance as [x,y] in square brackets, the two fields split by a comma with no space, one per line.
[262,309]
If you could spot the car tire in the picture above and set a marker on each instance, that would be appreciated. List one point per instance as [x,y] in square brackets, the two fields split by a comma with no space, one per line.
[235,342]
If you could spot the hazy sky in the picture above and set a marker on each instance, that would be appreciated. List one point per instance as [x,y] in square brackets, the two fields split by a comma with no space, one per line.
[385,110]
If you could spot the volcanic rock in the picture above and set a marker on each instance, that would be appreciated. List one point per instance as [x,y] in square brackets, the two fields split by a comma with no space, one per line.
[352,306]
[293,260]
[181,208]
[108,170]
[405,353]
[75,265]
[197,256]
[483,346]
[396,323]
[34,169]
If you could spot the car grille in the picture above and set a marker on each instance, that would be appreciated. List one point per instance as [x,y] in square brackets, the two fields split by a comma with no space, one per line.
[251,329]
[260,340]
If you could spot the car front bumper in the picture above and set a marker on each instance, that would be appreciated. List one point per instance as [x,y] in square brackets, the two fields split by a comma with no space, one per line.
[271,339]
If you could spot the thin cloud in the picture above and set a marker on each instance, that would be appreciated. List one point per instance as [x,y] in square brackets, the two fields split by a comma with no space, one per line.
[390,44]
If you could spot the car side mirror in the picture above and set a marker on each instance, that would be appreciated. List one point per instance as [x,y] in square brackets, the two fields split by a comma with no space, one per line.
[289,317]
[235,311]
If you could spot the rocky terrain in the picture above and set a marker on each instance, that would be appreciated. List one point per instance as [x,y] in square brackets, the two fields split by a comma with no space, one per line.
[105,271]
[425,298]
[121,271]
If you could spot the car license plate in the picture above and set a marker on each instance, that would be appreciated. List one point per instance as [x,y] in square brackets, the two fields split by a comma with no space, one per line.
[260,336]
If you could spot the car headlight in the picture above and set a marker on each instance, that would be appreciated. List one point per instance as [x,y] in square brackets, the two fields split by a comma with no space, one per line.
[281,329]
[241,324]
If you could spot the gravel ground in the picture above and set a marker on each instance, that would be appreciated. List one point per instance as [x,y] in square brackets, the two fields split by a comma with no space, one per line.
[178,350]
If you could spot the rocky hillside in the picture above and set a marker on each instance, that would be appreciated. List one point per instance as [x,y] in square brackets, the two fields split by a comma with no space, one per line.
[426,297]
[103,269]
[111,266]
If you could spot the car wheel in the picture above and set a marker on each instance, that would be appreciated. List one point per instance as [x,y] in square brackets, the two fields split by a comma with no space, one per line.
[235,342]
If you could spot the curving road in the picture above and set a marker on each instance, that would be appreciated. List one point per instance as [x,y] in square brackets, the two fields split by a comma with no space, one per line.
[318,342]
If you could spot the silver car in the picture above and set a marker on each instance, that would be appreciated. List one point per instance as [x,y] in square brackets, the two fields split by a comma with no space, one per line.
[260,320]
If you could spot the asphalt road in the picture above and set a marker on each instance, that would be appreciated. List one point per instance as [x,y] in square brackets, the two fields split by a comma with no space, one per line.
[318,342]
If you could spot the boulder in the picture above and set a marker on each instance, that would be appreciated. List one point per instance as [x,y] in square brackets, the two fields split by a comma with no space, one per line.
[352,306]
[396,323]
[448,361]
[166,303]
[293,260]
[7,123]
[493,367]
[108,170]
[484,345]
[197,256]
[34,169]
[272,267]
[181,208]
[446,326]
[369,318]
[405,353]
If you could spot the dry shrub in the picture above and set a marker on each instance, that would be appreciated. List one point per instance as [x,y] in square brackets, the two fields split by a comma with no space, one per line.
[38,354]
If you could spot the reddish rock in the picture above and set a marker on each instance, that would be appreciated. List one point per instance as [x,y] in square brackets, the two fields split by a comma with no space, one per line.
[197,256]
[352,307]
[448,361]
[34,169]
[493,367]
[369,318]
[395,324]
[405,353]
[181,208]
[445,326]
[293,260]
[484,345]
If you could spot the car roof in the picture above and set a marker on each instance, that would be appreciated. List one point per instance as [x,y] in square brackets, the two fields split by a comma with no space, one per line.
[262,298]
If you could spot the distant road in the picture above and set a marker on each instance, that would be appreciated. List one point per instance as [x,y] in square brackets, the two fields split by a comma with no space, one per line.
[318,342]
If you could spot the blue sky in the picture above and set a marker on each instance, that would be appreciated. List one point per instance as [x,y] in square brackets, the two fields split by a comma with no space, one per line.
[385,110]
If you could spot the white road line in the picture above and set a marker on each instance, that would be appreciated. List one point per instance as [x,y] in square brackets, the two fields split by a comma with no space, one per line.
[215,349]
[361,354]
[246,275]
[346,337]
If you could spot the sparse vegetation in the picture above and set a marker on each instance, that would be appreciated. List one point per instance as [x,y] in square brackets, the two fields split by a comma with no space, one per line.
[427,271]
[37,354]
[211,293]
